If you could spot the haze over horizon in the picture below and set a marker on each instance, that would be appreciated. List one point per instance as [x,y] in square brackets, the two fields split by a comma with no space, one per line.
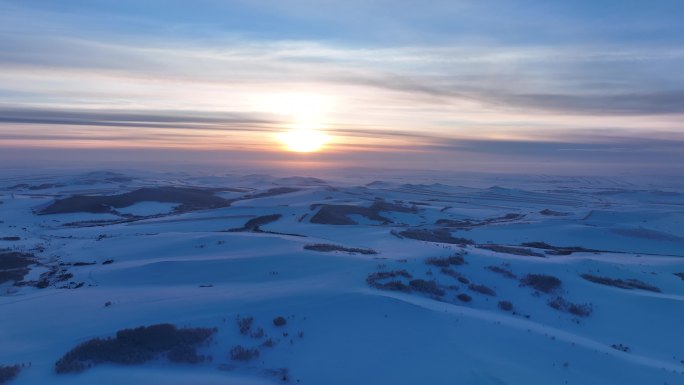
[580,87]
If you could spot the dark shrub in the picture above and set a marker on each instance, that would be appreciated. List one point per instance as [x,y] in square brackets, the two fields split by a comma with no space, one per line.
[8,373]
[505,305]
[241,353]
[558,250]
[245,324]
[185,354]
[680,275]
[619,283]
[269,343]
[446,261]
[15,260]
[374,279]
[580,310]
[464,297]
[328,248]
[14,265]
[620,347]
[254,223]
[463,280]
[512,250]
[136,346]
[392,286]
[503,271]
[482,289]
[189,198]
[450,272]
[258,333]
[279,321]
[438,235]
[541,282]
[429,287]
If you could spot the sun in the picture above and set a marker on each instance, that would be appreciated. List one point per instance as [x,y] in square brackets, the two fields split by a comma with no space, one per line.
[303,139]
[305,117]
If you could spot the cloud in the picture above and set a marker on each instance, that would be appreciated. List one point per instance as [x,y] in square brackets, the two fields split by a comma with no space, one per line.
[152,119]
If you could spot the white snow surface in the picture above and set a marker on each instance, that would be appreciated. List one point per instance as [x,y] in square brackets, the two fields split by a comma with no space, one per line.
[186,268]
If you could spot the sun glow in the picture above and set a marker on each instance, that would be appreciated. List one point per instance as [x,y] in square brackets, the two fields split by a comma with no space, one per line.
[306,115]
[303,139]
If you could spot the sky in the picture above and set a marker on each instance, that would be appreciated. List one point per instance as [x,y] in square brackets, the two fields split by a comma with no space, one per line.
[528,86]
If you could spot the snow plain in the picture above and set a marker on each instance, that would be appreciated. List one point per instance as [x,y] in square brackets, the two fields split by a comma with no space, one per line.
[150,263]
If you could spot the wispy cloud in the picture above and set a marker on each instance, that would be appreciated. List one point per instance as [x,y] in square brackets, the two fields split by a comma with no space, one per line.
[425,79]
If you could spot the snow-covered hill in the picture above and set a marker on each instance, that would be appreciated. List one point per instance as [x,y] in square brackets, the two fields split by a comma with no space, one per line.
[536,280]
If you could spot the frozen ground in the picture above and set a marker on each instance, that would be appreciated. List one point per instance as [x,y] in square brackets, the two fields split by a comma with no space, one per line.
[384,308]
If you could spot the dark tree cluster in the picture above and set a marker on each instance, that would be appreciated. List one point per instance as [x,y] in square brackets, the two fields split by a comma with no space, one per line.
[241,353]
[541,282]
[445,262]
[463,297]
[8,373]
[427,287]
[505,305]
[279,321]
[324,247]
[245,324]
[580,310]
[137,346]
[379,280]
[482,289]
[502,270]
[628,284]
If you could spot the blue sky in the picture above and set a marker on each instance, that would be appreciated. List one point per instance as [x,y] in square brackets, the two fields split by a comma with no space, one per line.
[571,85]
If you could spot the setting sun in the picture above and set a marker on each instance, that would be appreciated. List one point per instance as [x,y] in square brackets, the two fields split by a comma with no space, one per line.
[303,140]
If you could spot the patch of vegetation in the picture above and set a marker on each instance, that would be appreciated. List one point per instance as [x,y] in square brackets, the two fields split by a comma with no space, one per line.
[451,272]
[482,289]
[463,297]
[503,271]
[558,250]
[628,284]
[323,247]
[374,279]
[8,373]
[12,238]
[241,353]
[137,346]
[620,347]
[437,236]
[680,275]
[245,324]
[271,192]
[283,374]
[15,260]
[383,205]
[505,305]
[445,262]
[580,310]
[254,223]
[14,265]
[53,276]
[279,321]
[339,215]
[257,333]
[553,213]
[541,282]
[427,287]
[512,250]
[188,198]
[471,223]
